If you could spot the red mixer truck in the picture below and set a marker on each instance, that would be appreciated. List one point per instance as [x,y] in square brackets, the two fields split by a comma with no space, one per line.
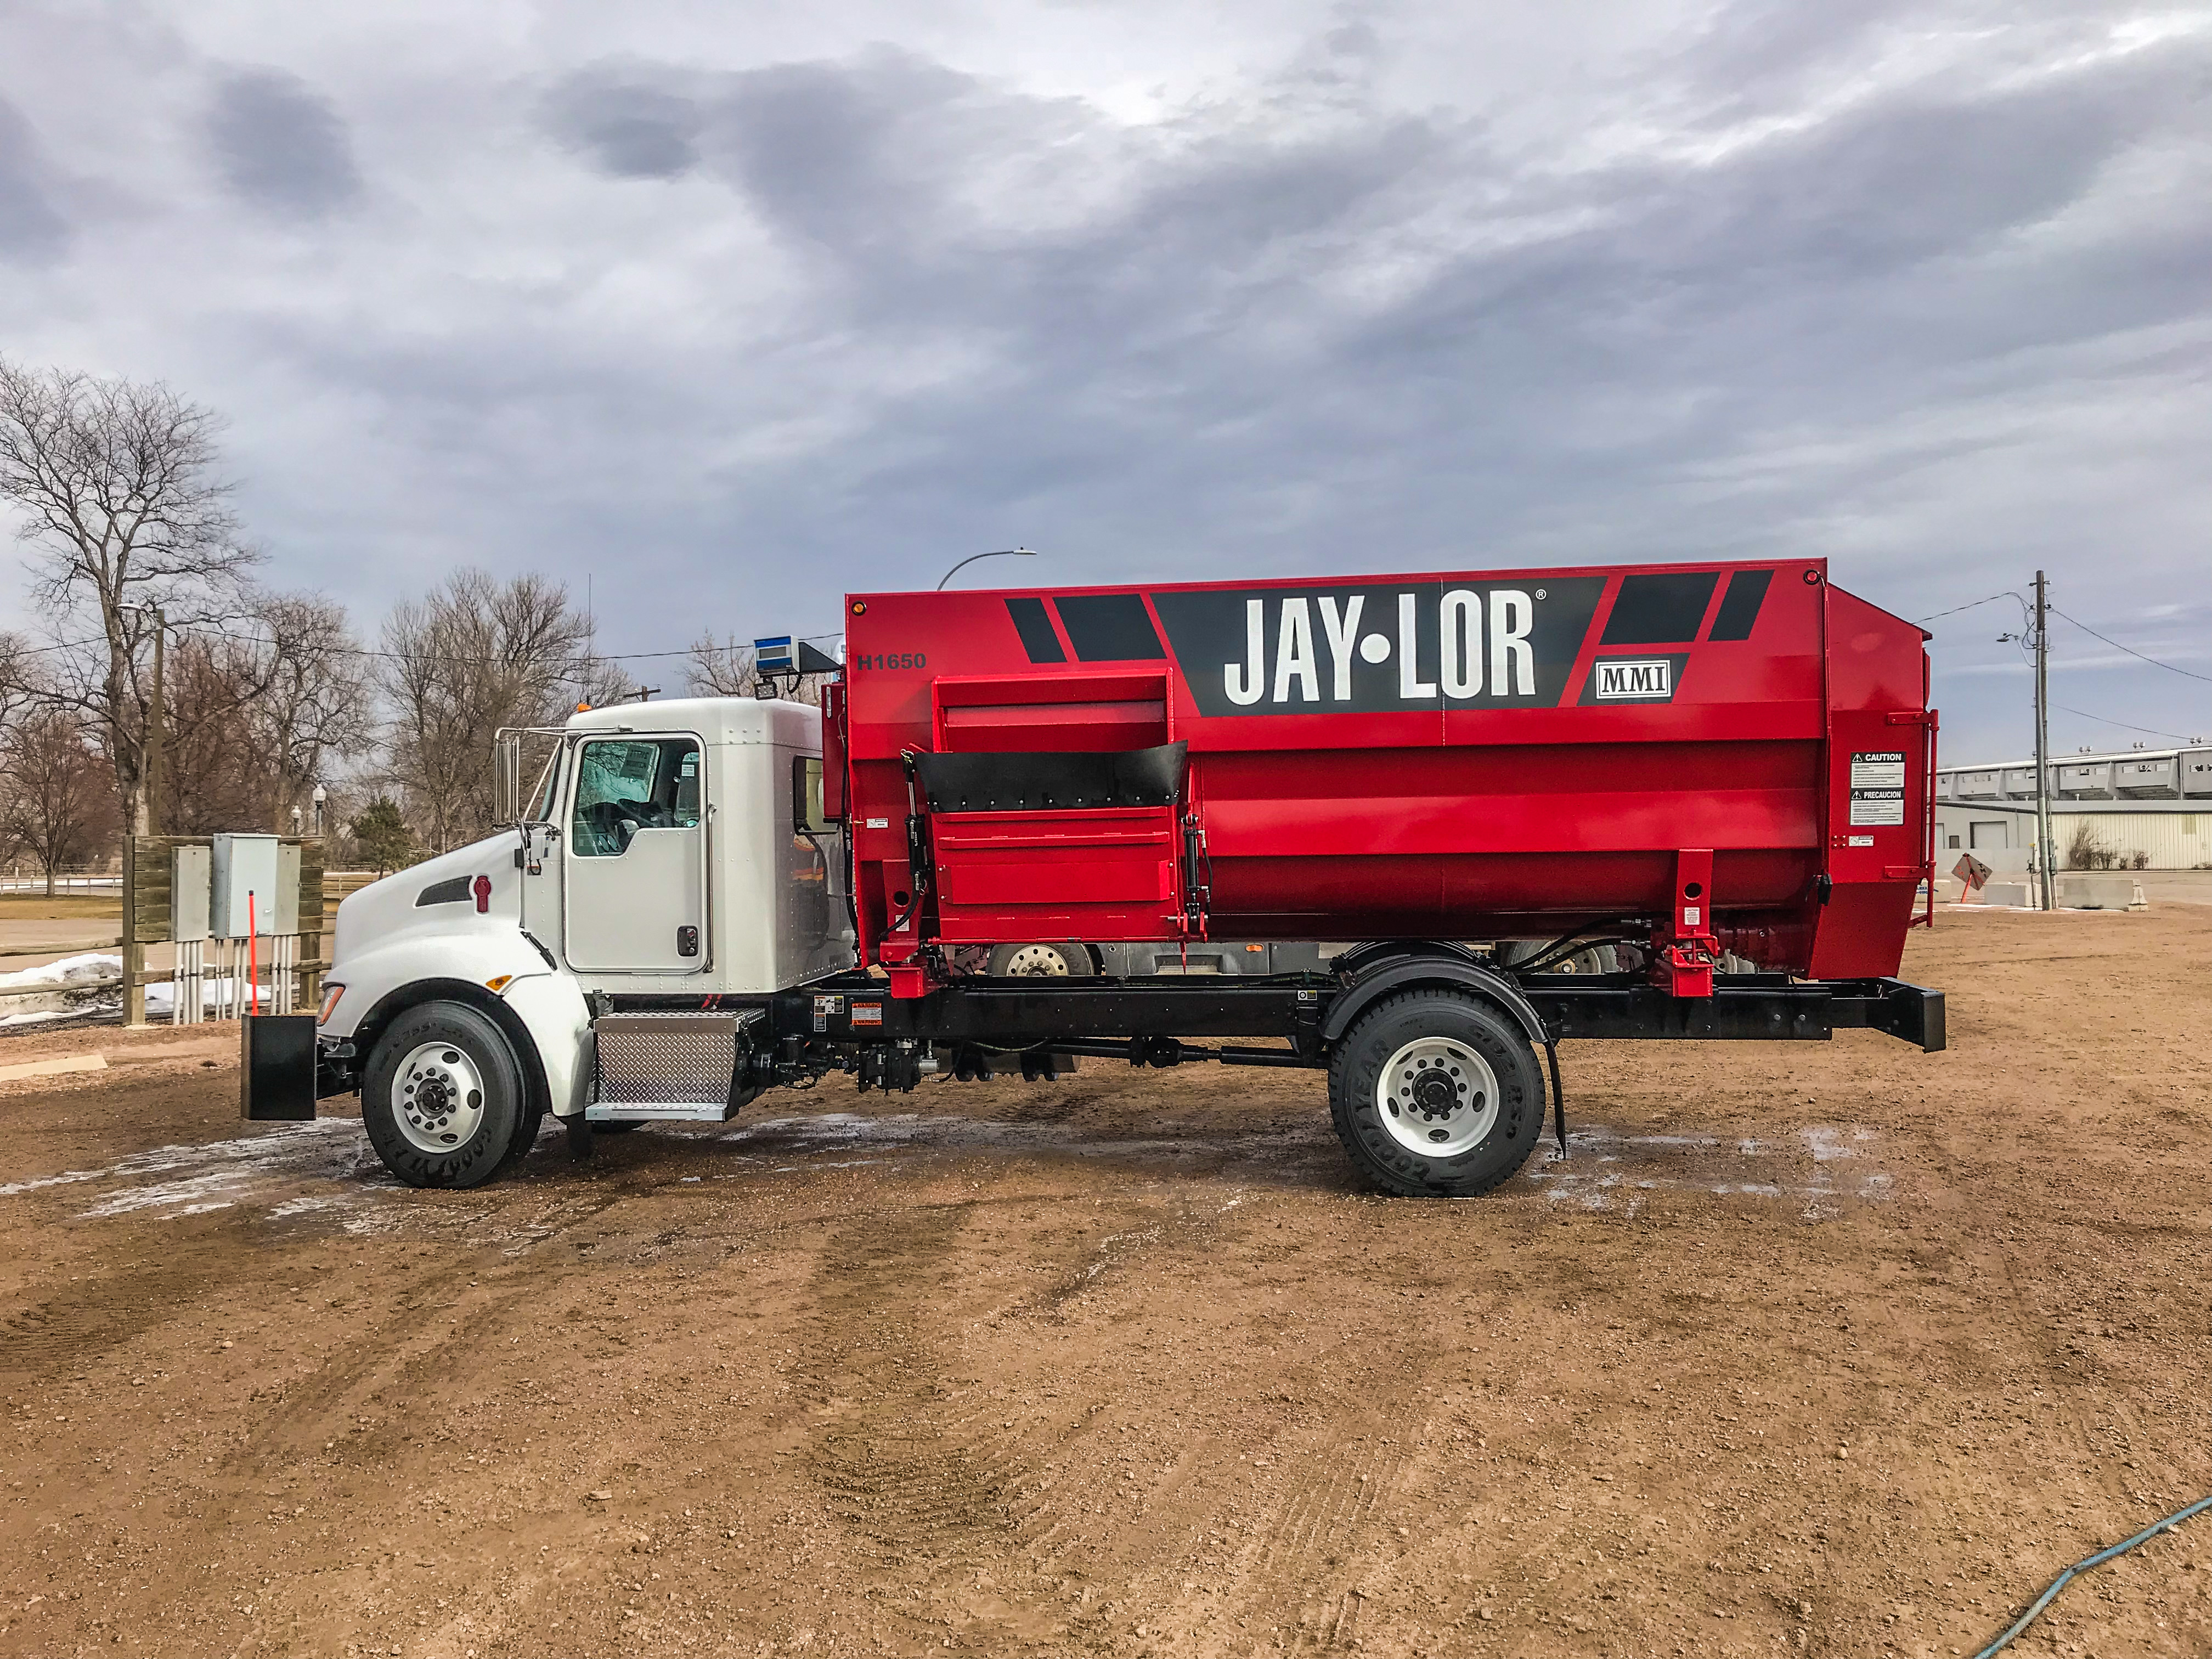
[1721,775]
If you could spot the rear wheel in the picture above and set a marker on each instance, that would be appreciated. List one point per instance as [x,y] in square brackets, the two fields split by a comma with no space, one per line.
[443,1098]
[1591,959]
[1041,961]
[1434,1095]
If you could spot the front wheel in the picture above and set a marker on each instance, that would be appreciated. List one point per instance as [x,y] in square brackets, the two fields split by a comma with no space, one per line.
[443,1098]
[1434,1095]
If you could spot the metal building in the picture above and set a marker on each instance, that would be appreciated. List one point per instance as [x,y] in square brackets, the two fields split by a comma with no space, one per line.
[2156,802]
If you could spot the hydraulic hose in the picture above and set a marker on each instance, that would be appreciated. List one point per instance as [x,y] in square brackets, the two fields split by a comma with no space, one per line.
[2035,1607]
[1566,944]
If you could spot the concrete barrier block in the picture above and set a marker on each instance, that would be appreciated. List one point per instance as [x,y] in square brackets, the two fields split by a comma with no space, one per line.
[2095,892]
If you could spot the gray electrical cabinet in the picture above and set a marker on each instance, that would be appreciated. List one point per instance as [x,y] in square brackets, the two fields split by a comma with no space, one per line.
[190,896]
[287,889]
[246,869]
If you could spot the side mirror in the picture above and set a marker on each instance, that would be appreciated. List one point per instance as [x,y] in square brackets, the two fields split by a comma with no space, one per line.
[506,767]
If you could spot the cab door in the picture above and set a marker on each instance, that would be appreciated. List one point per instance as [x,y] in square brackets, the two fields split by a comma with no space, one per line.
[634,856]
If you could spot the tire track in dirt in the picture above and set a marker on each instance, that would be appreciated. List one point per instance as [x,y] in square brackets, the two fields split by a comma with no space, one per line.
[1343,1463]
[103,1312]
[902,1469]
[1283,1571]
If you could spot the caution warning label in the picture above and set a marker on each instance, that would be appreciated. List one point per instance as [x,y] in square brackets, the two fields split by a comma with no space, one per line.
[1871,806]
[1877,769]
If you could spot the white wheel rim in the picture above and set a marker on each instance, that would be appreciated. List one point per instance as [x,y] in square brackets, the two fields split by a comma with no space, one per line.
[1039,961]
[438,1096]
[1438,1097]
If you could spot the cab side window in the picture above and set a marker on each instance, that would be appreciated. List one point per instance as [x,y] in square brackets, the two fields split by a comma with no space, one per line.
[806,796]
[624,785]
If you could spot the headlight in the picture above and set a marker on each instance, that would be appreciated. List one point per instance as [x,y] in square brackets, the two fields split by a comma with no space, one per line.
[331,995]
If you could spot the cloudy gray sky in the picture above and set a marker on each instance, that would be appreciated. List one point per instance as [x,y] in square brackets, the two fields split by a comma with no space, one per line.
[736,307]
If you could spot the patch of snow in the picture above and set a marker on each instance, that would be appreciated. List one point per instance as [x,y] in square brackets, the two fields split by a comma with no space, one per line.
[173,1178]
[62,989]
[1608,1170]
[77,989]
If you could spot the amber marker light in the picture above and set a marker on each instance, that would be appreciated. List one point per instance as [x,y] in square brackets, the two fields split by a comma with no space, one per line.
[500,983]
[331,995]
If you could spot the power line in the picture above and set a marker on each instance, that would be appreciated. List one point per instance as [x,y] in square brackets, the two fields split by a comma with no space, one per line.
[205,632]
[1956,609]
[2132,652]
[2147,732]
[66,645]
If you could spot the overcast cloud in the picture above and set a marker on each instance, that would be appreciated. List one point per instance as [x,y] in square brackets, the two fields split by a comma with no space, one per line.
[734,309]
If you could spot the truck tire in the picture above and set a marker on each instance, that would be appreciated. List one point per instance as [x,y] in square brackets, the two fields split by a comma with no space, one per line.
[442,1098]
[1591,959]
[1434,1095]
[1040,961]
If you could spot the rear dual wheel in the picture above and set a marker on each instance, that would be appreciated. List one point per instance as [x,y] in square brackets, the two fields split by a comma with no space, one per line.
[1434,1095]
[1040,962]
[1591,959]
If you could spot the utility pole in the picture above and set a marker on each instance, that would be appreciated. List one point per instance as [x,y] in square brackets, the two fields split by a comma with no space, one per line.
[2043,843]
[149,782]
[156,719]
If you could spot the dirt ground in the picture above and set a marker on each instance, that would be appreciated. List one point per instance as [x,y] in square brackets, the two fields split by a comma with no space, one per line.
[1808,1349]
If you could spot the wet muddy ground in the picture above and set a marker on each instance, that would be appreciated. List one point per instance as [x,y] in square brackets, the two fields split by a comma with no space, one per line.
[1806,1349]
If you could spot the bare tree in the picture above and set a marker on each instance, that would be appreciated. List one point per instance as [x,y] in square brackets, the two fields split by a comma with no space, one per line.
[116,484]
[215,775]
[57,795]
[21,676]
[474,655]
[316,705]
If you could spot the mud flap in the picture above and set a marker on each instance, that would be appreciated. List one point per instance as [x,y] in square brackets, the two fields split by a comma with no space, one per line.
[277,1068]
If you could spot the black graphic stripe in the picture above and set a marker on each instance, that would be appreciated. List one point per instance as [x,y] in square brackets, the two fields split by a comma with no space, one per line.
[1036,630]
[1660,608]
[1109,628]
[1746,592]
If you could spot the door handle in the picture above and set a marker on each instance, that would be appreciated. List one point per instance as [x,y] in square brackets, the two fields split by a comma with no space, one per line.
[687,941]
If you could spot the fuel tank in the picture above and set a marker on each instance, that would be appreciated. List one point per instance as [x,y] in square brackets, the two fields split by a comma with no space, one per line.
[1454,756]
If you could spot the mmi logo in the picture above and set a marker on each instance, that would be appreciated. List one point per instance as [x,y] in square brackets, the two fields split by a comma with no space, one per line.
[1635,679]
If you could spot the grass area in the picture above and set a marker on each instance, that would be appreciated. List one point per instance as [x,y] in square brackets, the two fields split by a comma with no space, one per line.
[36,907]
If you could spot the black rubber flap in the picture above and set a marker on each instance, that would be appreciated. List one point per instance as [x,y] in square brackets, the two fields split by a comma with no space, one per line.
[278,1073]
[1051,782]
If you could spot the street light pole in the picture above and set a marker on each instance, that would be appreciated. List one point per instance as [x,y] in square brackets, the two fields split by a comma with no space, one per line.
[1002,553]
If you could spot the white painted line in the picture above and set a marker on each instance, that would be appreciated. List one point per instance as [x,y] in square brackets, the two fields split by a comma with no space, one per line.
[54,1067]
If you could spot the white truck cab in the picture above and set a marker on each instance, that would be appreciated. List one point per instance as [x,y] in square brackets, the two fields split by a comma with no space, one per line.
[672,850]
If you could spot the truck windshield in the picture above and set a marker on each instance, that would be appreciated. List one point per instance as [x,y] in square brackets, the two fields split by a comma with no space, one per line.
[628,784]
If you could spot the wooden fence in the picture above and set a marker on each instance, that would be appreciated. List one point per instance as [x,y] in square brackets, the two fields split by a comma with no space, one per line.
[149,918]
